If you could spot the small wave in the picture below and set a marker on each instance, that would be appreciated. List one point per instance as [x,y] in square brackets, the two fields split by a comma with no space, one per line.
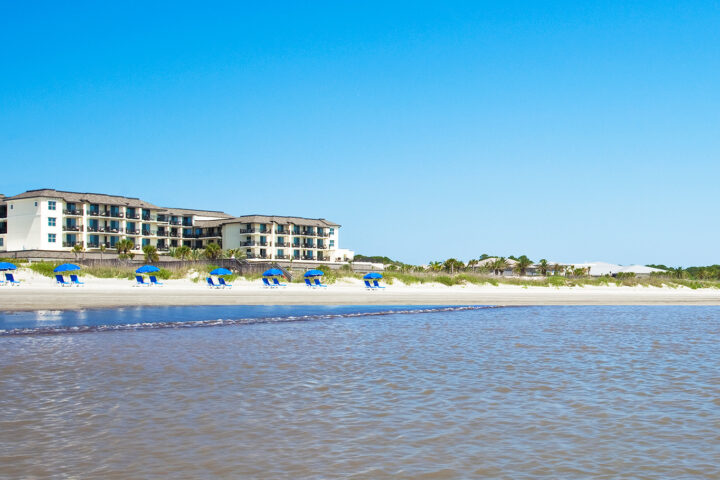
[219,322]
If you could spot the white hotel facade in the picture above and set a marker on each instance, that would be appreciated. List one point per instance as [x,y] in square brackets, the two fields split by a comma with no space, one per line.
[53,220]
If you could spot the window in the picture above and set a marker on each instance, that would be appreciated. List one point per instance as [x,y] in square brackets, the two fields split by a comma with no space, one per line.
[51,238]
[332,243]
[11,206]
[36,204]
[51,205]
[1,241]
[51,221]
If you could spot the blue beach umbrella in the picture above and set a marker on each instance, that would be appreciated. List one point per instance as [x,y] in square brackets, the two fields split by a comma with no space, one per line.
[372,276]
[221,271]
[147,269]
[314,273]
[273,272]
[66,267]
[7,266]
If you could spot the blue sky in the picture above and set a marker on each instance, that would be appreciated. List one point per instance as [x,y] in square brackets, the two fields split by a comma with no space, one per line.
[574,131]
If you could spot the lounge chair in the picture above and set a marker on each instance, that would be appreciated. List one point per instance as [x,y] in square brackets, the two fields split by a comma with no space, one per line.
[278,284]
[307,282]
[154,281]
[376,284]
[368,286]
[267,284]
[221,281]
[11,280]
[318,284]
[140,281]
[2,282]
[212,284]
[60,280]
[76,281]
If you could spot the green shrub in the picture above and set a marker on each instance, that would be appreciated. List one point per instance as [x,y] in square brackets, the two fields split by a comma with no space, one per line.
[44,268]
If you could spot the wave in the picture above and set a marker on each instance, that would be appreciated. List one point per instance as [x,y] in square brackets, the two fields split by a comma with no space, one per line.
[220,322]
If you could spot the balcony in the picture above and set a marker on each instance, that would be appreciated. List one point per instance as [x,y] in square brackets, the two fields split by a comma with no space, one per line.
[95,229]
[247,230]
[72,228]
[163,248]
[308,245]
[72,244]
[98,213]
[148,233]
[265,244]
[175,235]
[132,231]
[148,217]
[113,230]
[134,216]
[308,257]
[162,233]
[162,219]
[74,211]
[93,245]
[116,214]
[282,245]
[175,222]
[249,243]
[282,257]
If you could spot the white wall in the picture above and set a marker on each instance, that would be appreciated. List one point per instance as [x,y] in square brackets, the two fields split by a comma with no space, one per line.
[28,224]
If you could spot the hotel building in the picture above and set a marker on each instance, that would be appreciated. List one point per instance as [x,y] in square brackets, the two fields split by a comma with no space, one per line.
[53,220]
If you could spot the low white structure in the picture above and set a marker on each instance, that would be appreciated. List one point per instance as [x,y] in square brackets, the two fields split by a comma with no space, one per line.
[598,269]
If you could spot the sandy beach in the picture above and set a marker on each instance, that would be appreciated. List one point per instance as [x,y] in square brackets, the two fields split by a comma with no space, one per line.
[40,293]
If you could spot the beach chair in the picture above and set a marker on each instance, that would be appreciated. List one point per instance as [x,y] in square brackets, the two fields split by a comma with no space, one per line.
[307,282]
[212,284]
[318,284]
[222,282]
[267,284]
[11,280]
[140,281]
[278,284]
[60,280]
[376,284]
[154,281]
[368,286]
[2,282]
[76,281]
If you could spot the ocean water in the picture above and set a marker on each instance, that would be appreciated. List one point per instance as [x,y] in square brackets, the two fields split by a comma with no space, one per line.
[361,393]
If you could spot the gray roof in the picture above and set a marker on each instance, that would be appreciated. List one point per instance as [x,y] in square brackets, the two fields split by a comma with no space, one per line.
[202,213]
[309,222]
[77,197]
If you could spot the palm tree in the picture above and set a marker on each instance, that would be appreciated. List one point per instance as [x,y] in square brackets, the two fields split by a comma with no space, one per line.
[183,252]
[77,248]
[453,264]
[124,248]
[435,266]
[544,266]
[151,254]
[523,262]
[557,269]
[500,265]
[102,250]
[472,264]
[196,253]
[213,251]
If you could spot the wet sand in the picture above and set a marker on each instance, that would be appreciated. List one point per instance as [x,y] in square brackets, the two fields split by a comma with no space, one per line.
[41,294]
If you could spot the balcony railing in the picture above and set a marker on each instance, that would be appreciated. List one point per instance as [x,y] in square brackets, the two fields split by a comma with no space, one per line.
[282,257]
[175,235]
[134,216]
[148,233]
[175,222]
[247,230]
[308,257]
[133,231]
[95,229]
[93,245]
[72,244]
[161,219]
[249,243]
[282,245]
[72,228]
[265,244]
[113,230]
[148,217]
[308,245]
[162,233]
[116,214]
[74,211]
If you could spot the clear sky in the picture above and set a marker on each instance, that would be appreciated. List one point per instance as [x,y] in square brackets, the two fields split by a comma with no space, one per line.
[574,131]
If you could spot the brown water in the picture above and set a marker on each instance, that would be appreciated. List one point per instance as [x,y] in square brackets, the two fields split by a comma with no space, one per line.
[541,392]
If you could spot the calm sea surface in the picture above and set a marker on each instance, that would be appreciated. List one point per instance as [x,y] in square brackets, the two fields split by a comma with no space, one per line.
[523,392]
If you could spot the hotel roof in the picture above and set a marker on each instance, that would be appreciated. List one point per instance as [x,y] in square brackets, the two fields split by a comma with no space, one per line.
[310,222]
[79,197]
[202,213]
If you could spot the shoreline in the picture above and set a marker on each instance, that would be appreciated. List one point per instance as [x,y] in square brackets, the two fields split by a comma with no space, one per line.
[39,293]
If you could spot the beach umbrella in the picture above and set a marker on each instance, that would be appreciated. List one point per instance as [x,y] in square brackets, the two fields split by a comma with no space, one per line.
[66,267]
[147,269]
[314,273]
[372,276]
[7,266]
[221,271]
[273,272]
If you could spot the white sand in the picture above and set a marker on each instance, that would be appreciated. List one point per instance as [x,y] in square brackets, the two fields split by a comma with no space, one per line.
[41,293]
